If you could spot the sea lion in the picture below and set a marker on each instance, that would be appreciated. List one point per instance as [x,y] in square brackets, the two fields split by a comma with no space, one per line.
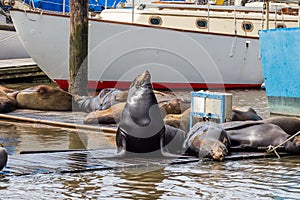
[252,136]
[207,139]
[3,157]
[174,106]
[109,116]
[113,114]
[181,121]
[6,90]
[141,127]
[104,100]
[290,125]
[141,130]
[242,115]
[44,97]
[8,102]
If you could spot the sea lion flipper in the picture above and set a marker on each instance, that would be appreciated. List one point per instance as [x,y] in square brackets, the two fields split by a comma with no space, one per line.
[166,154]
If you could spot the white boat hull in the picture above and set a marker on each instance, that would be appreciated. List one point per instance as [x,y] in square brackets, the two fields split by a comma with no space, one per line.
[11,46]
[120,51]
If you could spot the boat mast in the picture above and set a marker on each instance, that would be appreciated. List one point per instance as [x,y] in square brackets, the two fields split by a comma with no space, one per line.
[132,11]
[268,13]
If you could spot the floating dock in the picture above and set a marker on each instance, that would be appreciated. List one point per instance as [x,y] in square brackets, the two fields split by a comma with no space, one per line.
[75,161]
[92,160]
[19,69]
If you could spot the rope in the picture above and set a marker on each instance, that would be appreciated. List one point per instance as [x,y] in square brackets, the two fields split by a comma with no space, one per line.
[271,148]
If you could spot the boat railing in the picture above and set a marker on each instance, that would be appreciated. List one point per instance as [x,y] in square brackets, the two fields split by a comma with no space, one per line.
[212,7]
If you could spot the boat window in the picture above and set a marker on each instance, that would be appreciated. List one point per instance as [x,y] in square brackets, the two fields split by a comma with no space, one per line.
[155,20]
[247,26]
[201,23]
[280,25]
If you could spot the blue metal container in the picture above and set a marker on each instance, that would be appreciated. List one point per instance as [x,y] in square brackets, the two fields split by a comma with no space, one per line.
[280,53]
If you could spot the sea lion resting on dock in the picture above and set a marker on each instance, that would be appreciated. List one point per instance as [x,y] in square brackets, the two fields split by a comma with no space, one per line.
[182,120]
[113,114]
[44,97]
[141,129]
[239,114]
[256,135]
[8,102]
[290,125]
[104,100]
[207,139]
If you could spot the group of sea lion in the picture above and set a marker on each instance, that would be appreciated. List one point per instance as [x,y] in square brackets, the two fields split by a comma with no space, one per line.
[153,123]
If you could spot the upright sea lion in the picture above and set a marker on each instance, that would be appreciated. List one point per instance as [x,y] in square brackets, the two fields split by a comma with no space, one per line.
[141,129]
[43,97]
[207,139]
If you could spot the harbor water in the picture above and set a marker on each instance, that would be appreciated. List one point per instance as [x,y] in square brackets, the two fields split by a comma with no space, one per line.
[267,178]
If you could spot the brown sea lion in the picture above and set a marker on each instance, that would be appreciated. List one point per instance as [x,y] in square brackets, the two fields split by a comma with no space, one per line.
[6,90]
[290,125]
[113,114]
[181,121]
[207,139]
[174,106]
[8,102]
[109,116]
[44,97]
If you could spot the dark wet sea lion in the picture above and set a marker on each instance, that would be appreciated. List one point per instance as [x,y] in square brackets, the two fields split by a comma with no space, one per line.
[290,125]
[250,137]
[3,157]
[174,139]
[104,100]
[141,131]
[207,139]
[44,97]
[243,115]
[141,127]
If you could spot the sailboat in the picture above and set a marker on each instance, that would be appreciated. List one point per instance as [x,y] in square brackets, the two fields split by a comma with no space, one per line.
[182,44]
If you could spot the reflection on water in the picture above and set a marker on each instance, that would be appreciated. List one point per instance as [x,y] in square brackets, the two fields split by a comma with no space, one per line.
[270,178]
[251,179]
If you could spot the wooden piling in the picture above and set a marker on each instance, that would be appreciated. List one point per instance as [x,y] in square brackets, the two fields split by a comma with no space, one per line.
[78,61]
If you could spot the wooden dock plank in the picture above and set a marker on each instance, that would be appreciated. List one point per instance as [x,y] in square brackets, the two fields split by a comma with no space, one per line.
[12,69]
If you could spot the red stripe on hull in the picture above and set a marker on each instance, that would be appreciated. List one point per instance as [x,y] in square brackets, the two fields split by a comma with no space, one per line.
[95,85]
